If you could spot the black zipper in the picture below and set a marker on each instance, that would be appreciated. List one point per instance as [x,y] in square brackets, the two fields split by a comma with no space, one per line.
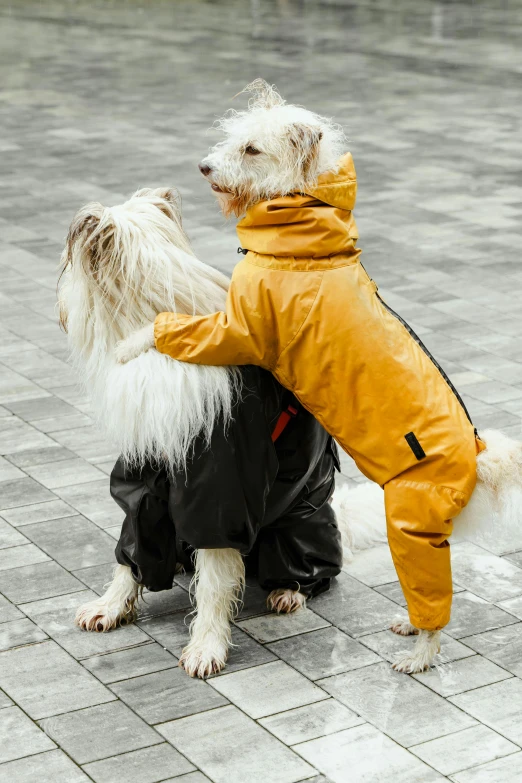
[426,351]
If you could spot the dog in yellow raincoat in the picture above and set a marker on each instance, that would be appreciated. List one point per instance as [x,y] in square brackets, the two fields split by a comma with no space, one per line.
[301,305]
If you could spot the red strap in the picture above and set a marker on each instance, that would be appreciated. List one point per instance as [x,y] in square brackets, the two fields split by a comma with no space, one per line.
[282,421]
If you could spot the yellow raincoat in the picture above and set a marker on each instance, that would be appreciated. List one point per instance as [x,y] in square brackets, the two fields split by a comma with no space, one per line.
[301,305]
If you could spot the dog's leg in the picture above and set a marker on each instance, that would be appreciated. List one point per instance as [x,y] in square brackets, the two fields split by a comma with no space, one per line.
[134,345]
[115,607]
[285,601]
[421,657]
[219,579]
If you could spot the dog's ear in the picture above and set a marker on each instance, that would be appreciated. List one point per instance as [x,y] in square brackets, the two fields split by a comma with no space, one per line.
[305,139]
[264,95]
[172,206]
[84,223]
[91,235]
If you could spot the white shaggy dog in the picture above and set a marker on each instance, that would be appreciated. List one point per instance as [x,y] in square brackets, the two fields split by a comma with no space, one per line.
[123,265]
[274,149]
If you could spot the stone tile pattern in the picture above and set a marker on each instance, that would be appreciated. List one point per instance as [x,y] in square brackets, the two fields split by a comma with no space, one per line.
[96,105]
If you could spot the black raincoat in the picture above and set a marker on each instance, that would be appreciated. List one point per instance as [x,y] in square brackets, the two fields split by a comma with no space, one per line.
[269,500]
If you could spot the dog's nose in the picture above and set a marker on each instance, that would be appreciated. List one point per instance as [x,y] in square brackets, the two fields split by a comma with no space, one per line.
[205,170]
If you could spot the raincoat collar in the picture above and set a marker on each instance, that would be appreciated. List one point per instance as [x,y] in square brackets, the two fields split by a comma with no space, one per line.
[313,225]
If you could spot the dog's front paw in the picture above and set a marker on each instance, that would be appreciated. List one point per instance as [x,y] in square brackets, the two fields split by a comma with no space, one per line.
[102,616]
[134,345]
[205,657]
[403,627]
[285,601]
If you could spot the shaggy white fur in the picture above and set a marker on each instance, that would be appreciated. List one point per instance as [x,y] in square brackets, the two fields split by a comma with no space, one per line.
[116,607]
[360,516]
[219,580]
[122,266]
[269,150]
[493,516]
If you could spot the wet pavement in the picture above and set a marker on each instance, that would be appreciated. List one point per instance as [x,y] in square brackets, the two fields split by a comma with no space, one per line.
[100,98]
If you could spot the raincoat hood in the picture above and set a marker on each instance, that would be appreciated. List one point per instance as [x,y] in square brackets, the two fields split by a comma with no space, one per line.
[314,224]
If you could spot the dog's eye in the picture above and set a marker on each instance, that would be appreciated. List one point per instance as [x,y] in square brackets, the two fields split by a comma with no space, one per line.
[250,150]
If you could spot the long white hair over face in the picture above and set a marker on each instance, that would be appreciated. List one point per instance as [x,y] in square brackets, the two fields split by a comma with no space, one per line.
[121,267]
[271,149]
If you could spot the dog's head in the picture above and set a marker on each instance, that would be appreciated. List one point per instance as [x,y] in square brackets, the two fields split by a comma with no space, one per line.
[123,265]
[270,150]
[110,252]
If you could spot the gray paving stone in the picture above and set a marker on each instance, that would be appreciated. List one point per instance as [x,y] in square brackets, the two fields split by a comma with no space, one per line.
[466,748]
[192,777]
[312,721]
[41,408]
[373,566]
[53,765]
[447,679]
[472,615]
[40,512]
[488,576]
[514,606]
[17,556]
[267,689]
[93,500]
[122,665]
[206,739]
[17,436]
[64,473]
[141,766]
[63,684]
[166,695]
[18,632]
[22,492]
[244,653]
[396,704]
[8,471]
[323,653]
[40,456]
[171,631]
[87,442]
[96,577]
[33,582]
[5,701]
[21,737]
[503,646]
[507,770]
[270,627]
[354,608]
[497,706]
[388,644]
[74,542]
[8,611]
[364,753]
[56,617]
[9,536]
[99,723]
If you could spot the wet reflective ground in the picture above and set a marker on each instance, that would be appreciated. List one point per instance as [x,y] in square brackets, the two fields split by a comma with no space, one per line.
[100,98]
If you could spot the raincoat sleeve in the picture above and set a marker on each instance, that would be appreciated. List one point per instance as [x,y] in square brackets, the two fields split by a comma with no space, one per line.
[244,334]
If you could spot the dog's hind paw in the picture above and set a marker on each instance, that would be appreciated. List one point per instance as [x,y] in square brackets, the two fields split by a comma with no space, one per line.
[421,657]
[205,658]
[403,627]
[285,601]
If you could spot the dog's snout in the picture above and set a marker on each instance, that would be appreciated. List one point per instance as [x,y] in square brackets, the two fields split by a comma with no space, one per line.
[205,169]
